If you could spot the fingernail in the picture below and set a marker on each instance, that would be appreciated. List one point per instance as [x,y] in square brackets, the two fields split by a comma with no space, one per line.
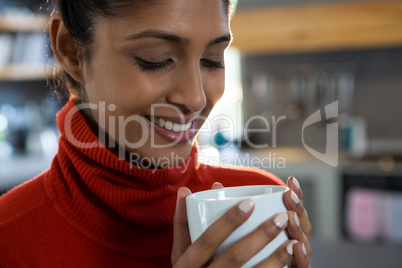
[295,198]
[217,185]
[295,182]
[304,249]
[183,191]
[289,247]
[281,219]
[296,219]
[246,205]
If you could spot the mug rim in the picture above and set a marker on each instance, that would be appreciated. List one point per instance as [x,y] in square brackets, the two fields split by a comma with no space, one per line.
[194,196]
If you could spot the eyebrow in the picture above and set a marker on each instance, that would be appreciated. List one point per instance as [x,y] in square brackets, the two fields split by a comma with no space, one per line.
[173,38]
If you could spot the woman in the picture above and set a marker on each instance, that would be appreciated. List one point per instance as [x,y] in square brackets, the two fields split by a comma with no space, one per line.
[143,76]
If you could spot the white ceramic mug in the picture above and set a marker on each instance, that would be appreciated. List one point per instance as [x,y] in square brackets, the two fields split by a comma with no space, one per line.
[204,208]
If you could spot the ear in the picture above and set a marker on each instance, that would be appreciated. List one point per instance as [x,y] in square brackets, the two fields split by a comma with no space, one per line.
[65,49]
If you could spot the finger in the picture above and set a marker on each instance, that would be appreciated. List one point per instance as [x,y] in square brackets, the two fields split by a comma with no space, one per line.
[217,185]
[300,257]
[294,185]
[181,235]
[281,257]
[293,203]
[249,246]
[204,247]
[296,232]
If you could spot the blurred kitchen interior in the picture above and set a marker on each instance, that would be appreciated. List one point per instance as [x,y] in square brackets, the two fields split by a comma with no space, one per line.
[289,58]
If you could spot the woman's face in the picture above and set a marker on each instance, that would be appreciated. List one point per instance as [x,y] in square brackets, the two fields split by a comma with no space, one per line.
[160,68]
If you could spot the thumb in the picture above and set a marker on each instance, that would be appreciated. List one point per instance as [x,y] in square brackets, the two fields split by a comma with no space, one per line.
[181,235]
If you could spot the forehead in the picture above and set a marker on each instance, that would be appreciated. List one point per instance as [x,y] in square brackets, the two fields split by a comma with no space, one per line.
[187,18]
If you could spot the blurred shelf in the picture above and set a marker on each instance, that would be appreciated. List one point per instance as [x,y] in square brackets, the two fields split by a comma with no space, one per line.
[24,72]
[330,254]
[318,27]
[11,173]
[23,23]
[373,167]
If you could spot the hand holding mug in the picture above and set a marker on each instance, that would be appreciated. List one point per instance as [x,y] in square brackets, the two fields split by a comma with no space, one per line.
[199,253]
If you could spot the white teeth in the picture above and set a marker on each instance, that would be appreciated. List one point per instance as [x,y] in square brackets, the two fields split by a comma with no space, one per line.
[169,125]
[161,122]
[180,127]
[177,127]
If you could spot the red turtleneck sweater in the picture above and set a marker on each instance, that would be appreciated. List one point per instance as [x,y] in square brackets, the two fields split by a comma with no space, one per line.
[90,209]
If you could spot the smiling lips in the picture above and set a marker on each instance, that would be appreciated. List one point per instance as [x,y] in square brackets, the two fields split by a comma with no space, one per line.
[173,131]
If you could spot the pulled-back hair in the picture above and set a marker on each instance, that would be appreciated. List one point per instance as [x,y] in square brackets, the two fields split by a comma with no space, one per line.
[80,16]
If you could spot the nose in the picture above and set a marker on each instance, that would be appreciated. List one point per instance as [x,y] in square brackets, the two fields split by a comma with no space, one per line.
[188,89]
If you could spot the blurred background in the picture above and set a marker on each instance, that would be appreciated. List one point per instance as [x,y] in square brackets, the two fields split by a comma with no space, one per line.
[289,59]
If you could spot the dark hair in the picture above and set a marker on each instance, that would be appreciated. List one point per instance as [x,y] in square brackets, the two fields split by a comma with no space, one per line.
[79,17]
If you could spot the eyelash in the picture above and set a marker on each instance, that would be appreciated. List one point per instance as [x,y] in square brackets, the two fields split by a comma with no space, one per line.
[152,66]
[155,66]
[212,65]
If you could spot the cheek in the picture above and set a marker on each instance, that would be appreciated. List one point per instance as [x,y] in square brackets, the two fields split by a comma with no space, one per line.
[214,86]
[125,86]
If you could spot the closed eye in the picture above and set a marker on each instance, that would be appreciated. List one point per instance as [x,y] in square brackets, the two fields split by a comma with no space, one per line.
[212,65]
[153,66]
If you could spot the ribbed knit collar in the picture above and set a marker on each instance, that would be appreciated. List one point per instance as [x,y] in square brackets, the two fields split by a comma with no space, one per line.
[76,132]
[120,206]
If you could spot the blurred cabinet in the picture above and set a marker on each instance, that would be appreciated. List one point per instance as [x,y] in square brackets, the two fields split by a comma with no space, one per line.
[23,47]
[372,200]
[28,136]
[366,83]
[307,27]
